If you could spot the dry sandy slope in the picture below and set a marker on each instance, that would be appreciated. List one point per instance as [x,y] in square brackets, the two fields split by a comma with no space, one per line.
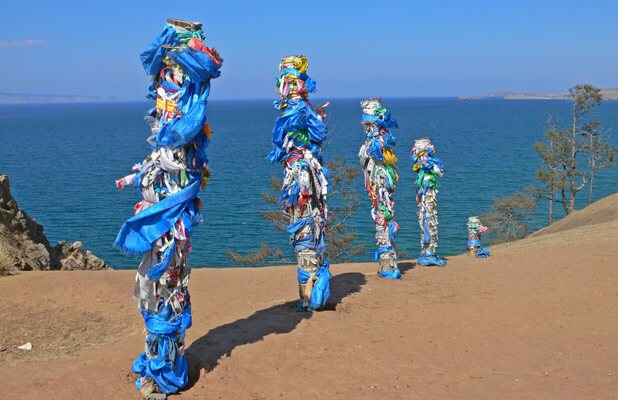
[599,212]
[537,320]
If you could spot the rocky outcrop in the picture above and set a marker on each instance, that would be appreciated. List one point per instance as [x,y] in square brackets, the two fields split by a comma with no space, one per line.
[73,256]
[25,247]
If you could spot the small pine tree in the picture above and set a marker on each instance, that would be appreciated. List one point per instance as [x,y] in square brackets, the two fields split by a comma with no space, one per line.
[572,155]
[550,174]
[341,243]
[260,256]
[600,153]
[507,218]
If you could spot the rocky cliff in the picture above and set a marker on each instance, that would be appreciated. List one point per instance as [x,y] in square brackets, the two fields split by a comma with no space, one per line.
[24,246]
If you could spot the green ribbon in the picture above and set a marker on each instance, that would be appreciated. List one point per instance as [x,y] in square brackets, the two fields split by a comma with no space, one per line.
[184,180]
[300,135]
[387,214]
[433,179]
[390,171]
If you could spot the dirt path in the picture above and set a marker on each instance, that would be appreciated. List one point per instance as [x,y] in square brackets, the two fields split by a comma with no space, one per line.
[537,320]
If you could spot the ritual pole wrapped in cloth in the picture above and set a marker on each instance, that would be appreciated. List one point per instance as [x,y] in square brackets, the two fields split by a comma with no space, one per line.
[475,232]
[298,135]
[379,170]
[169,180]
[428,169]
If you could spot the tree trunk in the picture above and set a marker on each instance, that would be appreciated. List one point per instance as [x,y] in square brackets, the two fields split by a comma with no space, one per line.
[592,162]
[590,188]
[551,207]
[507,230]
[571,203]
[573,166]
[565,203]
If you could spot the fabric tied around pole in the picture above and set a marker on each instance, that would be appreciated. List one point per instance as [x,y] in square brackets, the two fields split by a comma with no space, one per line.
[428,168]
[475,232]
[298,225]
[198,66]
[310,84]
[297,115]
[169,179]
[152,57]
[378,162]
[390,274]
[166,363]
[297,137]
[183,129]
[157,270]
[139,232]
[481,252]
[320,281]
[430,258]
[381,122]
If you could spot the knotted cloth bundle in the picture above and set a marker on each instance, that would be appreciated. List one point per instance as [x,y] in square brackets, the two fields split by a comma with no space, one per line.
[298,135]
[475,231]
[169,180]
[428,168]
[378,161]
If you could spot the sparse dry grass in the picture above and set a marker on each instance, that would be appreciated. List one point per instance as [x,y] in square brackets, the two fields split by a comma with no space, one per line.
[6,261]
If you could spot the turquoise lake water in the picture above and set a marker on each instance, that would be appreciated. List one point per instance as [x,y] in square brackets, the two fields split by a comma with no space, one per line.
[63,160]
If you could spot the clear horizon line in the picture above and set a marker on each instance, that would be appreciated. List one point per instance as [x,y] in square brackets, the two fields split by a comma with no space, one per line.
[108,101]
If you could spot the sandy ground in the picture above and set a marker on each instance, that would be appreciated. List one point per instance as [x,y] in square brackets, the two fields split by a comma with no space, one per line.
[538,320]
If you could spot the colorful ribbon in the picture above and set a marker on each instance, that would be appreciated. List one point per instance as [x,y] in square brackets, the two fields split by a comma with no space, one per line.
[169,180]
[378,161]
[298,135]
[428,169]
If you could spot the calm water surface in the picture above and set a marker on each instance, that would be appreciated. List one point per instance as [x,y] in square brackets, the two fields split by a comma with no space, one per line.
[63,160]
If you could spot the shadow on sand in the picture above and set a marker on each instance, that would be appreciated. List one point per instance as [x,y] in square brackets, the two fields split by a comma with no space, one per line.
[205,352]
[406,266]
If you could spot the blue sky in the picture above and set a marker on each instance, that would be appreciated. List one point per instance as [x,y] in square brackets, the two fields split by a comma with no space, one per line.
[356,48]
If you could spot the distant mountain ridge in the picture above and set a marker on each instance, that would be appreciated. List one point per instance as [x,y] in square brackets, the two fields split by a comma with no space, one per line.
[22,98]
[608,94]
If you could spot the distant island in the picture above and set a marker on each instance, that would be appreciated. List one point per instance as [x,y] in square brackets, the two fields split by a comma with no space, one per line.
[21,98]
[608,94]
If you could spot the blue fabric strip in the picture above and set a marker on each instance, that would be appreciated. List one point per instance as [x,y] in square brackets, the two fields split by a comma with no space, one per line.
[139,232]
